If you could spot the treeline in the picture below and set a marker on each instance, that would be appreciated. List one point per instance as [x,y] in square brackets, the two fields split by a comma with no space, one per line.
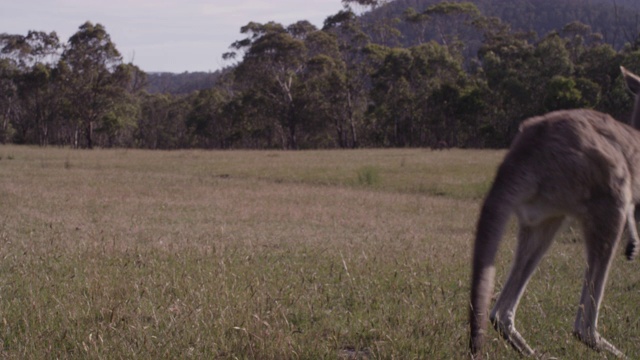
[298,87]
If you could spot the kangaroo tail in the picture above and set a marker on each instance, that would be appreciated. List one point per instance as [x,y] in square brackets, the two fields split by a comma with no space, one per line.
[493,219]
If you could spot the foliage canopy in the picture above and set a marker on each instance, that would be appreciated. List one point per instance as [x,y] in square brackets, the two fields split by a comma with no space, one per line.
[378,74]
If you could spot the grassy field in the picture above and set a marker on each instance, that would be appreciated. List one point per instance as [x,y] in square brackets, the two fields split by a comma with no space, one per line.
[112,254]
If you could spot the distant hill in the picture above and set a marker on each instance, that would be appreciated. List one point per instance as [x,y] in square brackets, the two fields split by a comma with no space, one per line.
[179,84]
[617,20]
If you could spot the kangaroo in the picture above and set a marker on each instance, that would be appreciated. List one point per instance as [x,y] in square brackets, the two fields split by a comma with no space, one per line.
[633,85]
[569,163]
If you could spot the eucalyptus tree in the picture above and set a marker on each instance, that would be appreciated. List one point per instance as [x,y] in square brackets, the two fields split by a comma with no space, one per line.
[40,99]
[417,91]
[351,89]
[8,99]
[277,63]
[377,20]
[162,122]
[207,120]
[35,96]
[117,125]
[37,47]
[392,97]
[322,93]
[273,59]
[449,20]
[506,61]
[413,95]
[96,82]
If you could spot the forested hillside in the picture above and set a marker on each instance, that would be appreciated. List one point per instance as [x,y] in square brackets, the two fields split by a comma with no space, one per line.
[378,74]
[616,20]
[181,84]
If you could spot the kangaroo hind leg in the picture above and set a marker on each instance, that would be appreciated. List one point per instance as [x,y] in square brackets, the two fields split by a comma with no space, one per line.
[533,242]
[602,231]
[634,242]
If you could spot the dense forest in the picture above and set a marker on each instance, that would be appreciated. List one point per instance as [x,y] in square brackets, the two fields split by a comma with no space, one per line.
[179,84]
[404,73]
[616,20]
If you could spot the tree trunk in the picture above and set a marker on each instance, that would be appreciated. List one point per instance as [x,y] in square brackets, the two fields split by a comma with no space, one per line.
[76,131]
[89,134]
[291,122]
[352,122]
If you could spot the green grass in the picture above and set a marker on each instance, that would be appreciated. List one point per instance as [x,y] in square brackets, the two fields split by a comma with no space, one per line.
[112,254]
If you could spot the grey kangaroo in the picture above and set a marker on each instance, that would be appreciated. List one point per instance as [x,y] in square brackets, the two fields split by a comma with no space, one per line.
[571,163]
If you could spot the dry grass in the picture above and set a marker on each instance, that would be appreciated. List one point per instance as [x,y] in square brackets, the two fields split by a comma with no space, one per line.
[264,255]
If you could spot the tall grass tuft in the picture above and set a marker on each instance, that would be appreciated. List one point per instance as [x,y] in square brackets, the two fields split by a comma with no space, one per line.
[368,176]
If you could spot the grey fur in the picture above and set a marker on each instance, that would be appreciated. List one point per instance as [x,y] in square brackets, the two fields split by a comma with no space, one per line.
[573,163]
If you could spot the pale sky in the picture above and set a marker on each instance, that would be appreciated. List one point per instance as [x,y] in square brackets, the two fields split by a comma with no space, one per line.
[162,35]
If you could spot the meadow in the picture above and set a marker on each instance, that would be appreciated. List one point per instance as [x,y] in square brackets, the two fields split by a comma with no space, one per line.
[364,254]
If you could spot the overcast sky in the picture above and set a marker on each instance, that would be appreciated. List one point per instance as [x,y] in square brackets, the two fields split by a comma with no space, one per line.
[162,35]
